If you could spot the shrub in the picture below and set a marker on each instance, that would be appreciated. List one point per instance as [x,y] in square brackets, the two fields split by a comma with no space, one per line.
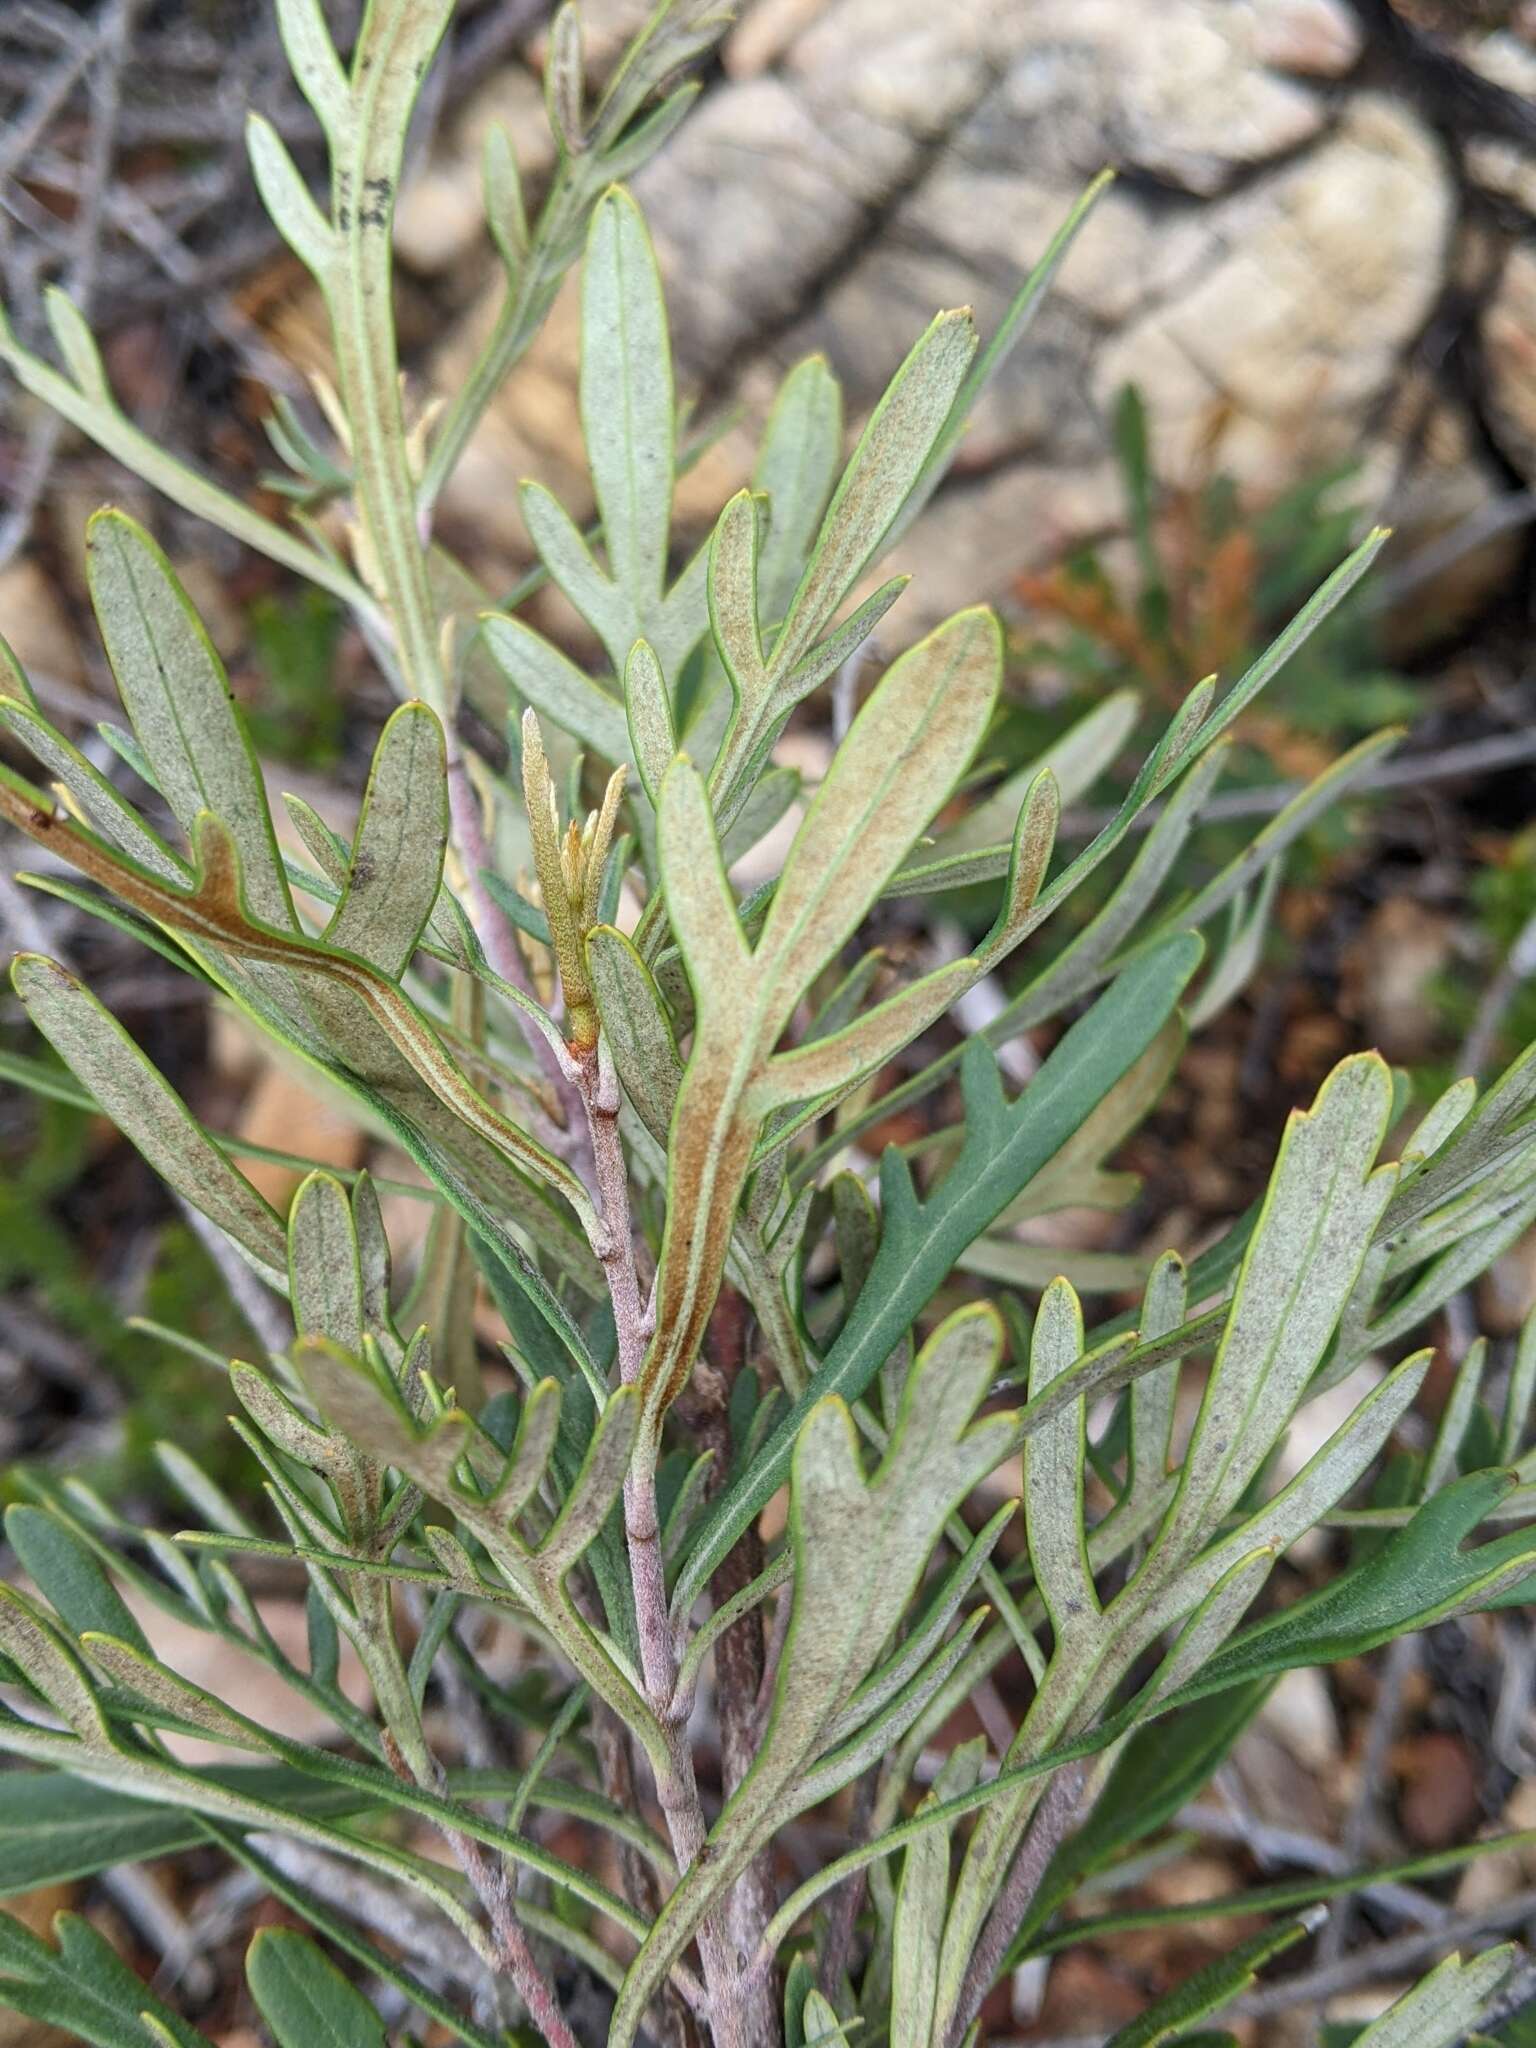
[636,1140]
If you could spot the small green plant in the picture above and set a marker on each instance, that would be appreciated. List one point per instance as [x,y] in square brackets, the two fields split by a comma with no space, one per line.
[631,1092]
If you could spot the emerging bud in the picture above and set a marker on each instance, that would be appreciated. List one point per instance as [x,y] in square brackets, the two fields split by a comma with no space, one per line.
[570,870]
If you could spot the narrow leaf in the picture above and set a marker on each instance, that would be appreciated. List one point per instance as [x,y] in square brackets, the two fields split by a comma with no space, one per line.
[99,1052]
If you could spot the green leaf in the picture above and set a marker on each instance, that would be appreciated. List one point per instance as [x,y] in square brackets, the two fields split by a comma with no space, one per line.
[287,199]
[795,467]
[304,1999]
[1161,1768]
[1420,1575]
[820,2025]
[627,404]
[1443,2007]
[502,191]
[84,1987]
[1015,322]
[1055,1460]
[639,1030]
[903,754]
[147,1110]
[884,467]
[55,1828]
[1322,1207]
[1006,1144]
[76,344]
[1083,753]
[653,739]
[627,411]
[103,808]
[396,867]
[142,1677]
[325,1272]
[640,142]
[556,688]
[68,1575]
[178,697]
[921,1899]
[1212,1988]
[1076,1177]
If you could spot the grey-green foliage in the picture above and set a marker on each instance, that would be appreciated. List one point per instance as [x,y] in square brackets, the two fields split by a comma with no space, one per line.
[633,1096]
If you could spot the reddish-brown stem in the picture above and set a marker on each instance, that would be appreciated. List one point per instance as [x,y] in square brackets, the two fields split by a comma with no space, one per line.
[492,1886]
[676,1787]
[676,2026]
[740,1654]
[1053,1816]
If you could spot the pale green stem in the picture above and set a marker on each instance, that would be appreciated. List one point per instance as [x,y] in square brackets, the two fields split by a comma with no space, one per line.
[581,176]
[114,433]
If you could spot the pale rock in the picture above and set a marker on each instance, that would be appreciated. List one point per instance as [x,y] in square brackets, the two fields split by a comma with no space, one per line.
[1300,1713]
[284,1110]
[1368,2003]
[1503,169]
[532,429]
[754,196]
[1509,356]
[1490,1881]
[440,217]
[1498,163]
[1311,1427]
[1392,968]
[1268,261]
[764,33]
[1275,1786]
[1196,109]
[440,220]
[1505,59]
[1015,520]
[1335,263]
[904,63]
[510,98]
[1312,38]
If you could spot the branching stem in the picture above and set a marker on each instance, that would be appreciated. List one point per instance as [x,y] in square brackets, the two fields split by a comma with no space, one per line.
[676,1786]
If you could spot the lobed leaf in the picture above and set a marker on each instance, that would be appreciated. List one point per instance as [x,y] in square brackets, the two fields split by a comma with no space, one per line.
[85,1986]
[178,697]
[1005,1145]
[860,1546]
[395,870]
[904,752]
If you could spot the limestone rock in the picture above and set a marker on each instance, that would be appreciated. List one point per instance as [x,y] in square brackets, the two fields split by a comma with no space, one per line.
[1313,38]
[1329,269]
[1509,355]
[1273,250]
[1501,166]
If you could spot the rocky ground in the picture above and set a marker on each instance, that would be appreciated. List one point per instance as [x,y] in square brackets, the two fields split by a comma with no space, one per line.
[1320,253]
